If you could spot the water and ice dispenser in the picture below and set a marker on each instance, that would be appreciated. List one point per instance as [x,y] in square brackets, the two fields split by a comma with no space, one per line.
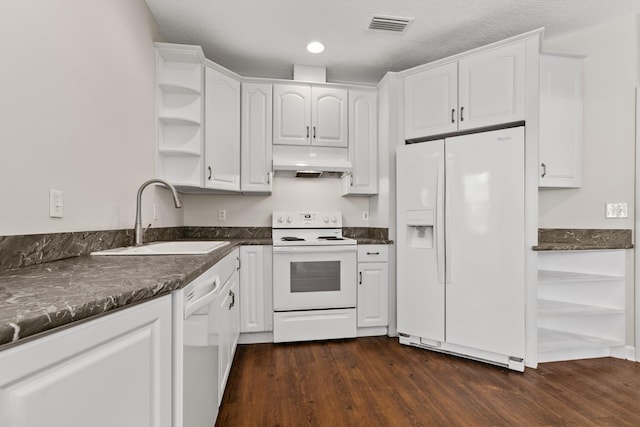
[420,225]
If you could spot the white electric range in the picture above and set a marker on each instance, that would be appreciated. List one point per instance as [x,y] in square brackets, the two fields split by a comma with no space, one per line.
[314,277]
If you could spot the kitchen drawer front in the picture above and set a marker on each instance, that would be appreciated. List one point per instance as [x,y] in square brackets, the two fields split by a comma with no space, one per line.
[373,253]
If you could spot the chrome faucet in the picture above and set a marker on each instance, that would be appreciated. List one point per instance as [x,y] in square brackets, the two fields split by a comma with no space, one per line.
[139,232]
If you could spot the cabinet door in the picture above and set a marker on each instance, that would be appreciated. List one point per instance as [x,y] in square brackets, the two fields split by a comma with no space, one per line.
[491,87]
[329,117]
[222,131]
[257,136]
[373,284]
[112,371]
[363,147]
[252,315]
[223,329]
[234,314]
[291,114]
[431,102]
[560,121]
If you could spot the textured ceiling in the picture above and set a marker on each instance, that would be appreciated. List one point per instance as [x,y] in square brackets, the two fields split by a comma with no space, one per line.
[264,38]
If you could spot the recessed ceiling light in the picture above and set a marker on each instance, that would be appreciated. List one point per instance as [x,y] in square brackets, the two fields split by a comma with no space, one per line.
[315,47]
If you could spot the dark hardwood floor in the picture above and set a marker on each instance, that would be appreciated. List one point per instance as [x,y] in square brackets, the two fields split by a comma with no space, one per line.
[378,382]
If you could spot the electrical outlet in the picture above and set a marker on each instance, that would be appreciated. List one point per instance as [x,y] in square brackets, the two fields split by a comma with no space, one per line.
[365,215]
[222,215]
[616,210]
[55,203]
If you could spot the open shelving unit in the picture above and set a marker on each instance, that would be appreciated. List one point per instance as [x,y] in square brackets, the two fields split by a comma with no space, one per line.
[180,112]
[581,304]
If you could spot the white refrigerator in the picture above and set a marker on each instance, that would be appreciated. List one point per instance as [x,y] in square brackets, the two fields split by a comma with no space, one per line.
[461,245]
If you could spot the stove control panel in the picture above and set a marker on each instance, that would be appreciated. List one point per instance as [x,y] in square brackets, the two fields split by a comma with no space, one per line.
[307,219]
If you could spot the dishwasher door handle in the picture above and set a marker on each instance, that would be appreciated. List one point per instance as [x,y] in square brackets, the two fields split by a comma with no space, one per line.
[203,301]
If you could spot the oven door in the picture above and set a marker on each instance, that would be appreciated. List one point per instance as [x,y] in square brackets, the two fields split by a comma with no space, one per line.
[314,277]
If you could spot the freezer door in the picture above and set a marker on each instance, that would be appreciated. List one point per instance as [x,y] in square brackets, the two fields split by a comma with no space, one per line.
[420,239]
[485,241]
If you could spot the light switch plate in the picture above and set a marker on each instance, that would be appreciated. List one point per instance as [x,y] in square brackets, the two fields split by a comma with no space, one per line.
[55,203]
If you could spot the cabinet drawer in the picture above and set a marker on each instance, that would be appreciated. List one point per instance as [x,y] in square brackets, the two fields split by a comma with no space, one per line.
[372,253]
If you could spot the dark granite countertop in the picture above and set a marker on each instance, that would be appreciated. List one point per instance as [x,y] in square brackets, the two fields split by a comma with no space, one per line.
[578,239]
[39,298]
[366,241]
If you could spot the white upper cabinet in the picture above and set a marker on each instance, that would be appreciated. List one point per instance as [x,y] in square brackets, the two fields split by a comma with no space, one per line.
[482,89]
[431,101]
[363,154]
[292,114]
[305,115]
[329,117]
[256,137]
[222,131]
[491,87]
[560,121]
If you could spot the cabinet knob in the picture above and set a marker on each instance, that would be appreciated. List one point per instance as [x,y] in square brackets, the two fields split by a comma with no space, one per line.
[360,281]
[544,170]
[453,113]
[307,132]
[462,114]
[314,132]
[210,172]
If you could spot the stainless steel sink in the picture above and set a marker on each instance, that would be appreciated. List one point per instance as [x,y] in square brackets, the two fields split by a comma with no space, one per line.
[166,248]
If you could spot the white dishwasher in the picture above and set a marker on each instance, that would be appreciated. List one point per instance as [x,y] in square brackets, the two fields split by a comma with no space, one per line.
[199,340]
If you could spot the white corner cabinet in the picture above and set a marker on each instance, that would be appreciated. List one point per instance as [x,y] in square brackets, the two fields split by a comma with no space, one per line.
[198,121]
[111,371]
[581,304]
[561,119]
[363,144]
[310,115]
[480,89]
[373,290]
[256,171]
[256,304]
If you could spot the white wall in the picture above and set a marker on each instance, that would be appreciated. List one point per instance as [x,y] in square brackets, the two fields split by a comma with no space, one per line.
[288,194]
[610,78]
[77,112]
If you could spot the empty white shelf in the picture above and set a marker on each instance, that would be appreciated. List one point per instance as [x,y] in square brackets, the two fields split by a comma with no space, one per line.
[548,276]
[550,341]
[550,307]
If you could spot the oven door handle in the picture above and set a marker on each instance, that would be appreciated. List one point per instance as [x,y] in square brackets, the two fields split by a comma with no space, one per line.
[313,249]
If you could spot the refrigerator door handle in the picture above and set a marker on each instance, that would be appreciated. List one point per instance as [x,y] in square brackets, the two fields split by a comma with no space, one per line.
[447,213]
[440,248]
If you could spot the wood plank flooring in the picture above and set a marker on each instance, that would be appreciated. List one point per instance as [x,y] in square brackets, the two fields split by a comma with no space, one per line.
[378,382]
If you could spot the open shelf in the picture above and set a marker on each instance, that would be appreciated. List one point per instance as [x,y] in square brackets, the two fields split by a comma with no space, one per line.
[178,152]
[549,307]
[177,88]
[550,276]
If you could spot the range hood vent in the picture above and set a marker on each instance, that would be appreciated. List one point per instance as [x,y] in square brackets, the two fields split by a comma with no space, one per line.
[395,24]
[310,161]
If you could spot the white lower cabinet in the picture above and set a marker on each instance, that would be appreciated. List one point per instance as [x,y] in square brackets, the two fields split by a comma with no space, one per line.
[581,304]
[227,322]
[256,304]
[111,371]
[373,289]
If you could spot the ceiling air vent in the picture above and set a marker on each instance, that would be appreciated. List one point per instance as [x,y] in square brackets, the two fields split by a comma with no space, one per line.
[396,24]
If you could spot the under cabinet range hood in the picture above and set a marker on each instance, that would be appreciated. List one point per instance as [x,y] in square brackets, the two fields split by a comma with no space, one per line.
[309,161]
